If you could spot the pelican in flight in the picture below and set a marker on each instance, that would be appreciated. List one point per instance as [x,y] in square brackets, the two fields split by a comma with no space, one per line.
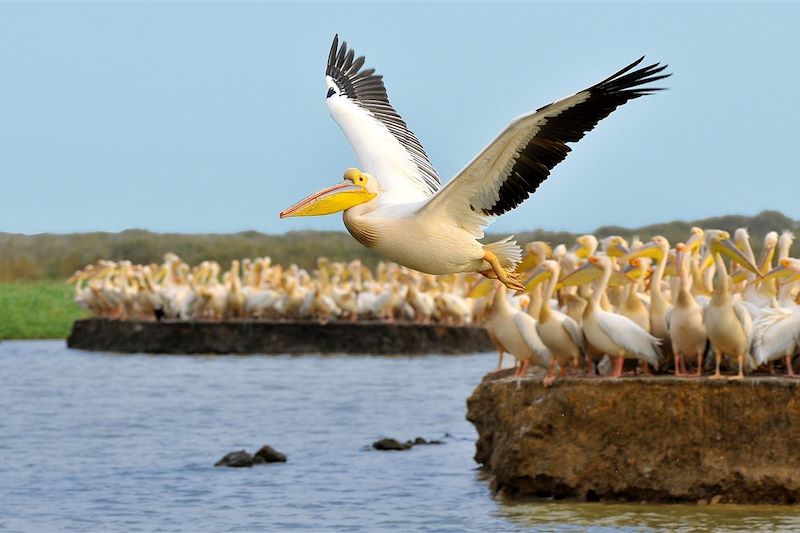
[395,203]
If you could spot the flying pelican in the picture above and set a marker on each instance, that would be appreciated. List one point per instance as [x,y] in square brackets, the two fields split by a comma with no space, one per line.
[396,205]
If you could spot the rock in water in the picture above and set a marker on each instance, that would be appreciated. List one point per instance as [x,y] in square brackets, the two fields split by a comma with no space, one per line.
[268,454]
[656,439]
[236,460]
[391,444]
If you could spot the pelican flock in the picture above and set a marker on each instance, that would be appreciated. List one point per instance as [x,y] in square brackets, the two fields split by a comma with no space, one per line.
[395,203]
[573,316]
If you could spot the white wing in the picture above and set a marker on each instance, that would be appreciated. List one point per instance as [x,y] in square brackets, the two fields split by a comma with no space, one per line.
[745,320]
[385,147]
[627,334]
[507,171]
[526,325]
[574,331]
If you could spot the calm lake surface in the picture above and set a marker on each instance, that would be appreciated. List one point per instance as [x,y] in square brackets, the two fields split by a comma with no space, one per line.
[104,442]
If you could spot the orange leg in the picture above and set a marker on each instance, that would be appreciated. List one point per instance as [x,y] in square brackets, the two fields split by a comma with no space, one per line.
[718,357]
[789,368]
[550,377]
[618,366]
[510,280]
[678,371]
[740,375]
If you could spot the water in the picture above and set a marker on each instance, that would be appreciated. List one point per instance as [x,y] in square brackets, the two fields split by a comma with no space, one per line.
[102,442]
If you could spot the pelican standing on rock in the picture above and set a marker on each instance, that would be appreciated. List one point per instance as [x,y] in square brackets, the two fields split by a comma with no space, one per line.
[729,326]
[396,205]
[613,334]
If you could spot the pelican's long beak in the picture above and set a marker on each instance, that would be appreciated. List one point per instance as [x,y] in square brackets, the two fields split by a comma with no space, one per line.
[619,279]
[651,250]
[581,276]
[528,263]
[331,200]
[727,248]
[480,289]
[538,276]
[589,272]
[781,271]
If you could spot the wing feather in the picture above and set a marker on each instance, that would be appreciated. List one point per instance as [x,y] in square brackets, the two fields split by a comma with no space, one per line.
[384,145]
[627,334]
[574,331]
[513,166]
[526,325]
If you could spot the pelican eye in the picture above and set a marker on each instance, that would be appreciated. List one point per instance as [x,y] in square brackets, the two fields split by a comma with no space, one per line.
[331,92]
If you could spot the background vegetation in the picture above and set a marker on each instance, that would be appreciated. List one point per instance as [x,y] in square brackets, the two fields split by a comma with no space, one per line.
[37,310]
[55,257]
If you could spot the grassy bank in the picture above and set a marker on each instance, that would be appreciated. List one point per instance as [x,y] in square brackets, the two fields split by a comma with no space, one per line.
[37,310]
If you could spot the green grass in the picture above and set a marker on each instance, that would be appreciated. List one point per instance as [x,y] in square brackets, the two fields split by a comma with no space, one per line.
[37,310]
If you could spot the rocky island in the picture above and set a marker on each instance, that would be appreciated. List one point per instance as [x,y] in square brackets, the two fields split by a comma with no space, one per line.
[293,337]
[654,439]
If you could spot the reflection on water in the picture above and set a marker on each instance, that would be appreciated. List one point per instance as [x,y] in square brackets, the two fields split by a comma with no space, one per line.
[101,442]
[572,516]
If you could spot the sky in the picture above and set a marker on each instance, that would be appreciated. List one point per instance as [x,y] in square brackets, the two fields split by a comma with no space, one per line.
[211,117]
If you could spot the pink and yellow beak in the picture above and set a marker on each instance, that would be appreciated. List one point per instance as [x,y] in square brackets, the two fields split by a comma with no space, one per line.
[331,200]
[590,272]
[538,276]
[480,289]
[651,250]
[727,248]
[783,270]
[618,249]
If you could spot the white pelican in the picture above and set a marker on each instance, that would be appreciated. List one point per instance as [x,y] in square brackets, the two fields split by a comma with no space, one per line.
[777,331]
[657,249]
[613,334]
[514,331]
[729,325]
[396,205]
[561,334]
[685,319]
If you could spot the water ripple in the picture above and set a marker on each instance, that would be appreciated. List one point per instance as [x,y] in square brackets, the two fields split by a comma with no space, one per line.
[103,442]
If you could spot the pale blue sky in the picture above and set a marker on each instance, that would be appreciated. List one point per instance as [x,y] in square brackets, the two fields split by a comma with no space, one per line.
[211,117]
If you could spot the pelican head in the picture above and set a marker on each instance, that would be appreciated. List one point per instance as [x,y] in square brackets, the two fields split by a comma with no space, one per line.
[357,188]
[656,249]
[696,240]
[615,246]
[719,242]
[585,246]
[546,270]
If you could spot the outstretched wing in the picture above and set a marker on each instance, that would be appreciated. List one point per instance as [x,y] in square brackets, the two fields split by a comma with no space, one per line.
[385,147]
[507,171]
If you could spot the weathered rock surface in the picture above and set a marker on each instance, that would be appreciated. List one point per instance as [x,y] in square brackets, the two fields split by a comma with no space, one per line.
[276,337]
[238,459]
[654,439]
[388,444]
[268,454]
[242,458]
